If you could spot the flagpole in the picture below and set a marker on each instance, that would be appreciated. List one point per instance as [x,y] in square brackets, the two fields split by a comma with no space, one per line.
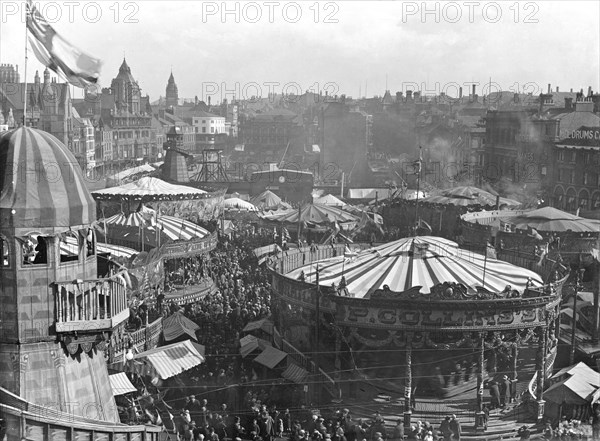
[418,190]
[25,70]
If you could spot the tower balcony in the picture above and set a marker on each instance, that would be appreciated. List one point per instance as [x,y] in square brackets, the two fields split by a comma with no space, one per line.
[95,305]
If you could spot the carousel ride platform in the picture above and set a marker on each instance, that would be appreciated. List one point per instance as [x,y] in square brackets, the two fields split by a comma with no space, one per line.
[183,295]
[503,423]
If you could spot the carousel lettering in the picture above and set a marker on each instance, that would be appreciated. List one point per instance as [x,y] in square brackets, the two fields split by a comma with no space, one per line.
[427,321]
[387,316]
[505,318]
[354,314]
[528,316]
[410,317]
[448,321]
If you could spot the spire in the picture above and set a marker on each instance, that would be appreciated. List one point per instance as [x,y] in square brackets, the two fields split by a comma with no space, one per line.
[124,67]
[46,76]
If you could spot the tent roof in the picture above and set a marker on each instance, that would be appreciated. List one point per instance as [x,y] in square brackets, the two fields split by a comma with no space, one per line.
[312,213]
[553,219]
[467,196]
[270,357]
[168,361]
[422,261]
[265,325]
[118,177]
[177,325]
[268,200]
[250,343]
[580,369]
[330,200]
[120,384]
[238,204]
[148,187]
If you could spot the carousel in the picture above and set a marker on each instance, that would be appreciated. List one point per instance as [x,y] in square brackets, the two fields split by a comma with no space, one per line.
[161,221]
[421,314]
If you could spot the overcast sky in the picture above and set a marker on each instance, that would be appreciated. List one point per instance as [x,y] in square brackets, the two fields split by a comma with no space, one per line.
[352,45]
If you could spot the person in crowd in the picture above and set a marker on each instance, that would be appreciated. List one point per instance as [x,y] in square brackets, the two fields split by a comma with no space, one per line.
[524,433]
[455,428]
[494,394]
[505,387]
[445,429]
[398,432]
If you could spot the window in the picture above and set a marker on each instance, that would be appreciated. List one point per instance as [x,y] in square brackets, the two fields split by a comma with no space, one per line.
[585,178]
[572,177]
[560,176]
[561,155]
[4,250]
[212,130]
[90,243]
[69,247]
[573,156]
[35,251]
[203,129]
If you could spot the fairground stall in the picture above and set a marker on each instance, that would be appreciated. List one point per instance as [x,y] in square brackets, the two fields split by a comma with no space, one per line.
[420,314]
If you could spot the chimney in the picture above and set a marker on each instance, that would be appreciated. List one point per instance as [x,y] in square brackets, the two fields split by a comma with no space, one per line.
[589,91]
[571,90]
[549,89]
[516,98]
[398,97]
[473,91]
[568,103]
[460,92]
[409,94]
[556,89]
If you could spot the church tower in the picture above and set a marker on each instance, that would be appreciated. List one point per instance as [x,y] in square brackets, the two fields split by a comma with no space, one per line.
[126,90]
[172,93]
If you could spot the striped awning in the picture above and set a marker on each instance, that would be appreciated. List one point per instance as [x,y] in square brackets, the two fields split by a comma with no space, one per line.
[172,227]
[177,325]
[120,384]
[270,357]
[41,185]
[423,261]
[250,344]
[295,374]
[468,196]
[171,360]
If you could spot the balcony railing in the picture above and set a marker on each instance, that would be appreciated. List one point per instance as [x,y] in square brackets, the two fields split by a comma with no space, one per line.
[90,305]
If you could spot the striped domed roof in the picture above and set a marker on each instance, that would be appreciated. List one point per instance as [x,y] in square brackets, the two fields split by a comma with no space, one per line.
[41,184]
[422,261]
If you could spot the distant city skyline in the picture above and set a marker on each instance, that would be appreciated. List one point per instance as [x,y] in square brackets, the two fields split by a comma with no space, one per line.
[433,47]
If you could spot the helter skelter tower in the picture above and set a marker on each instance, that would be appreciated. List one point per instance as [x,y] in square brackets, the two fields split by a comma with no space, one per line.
[56,316]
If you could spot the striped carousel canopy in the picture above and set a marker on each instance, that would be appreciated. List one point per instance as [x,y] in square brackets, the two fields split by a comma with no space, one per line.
[423,261]
[70,247]
[468,196]
[172,227]
[312,213]
[41,185]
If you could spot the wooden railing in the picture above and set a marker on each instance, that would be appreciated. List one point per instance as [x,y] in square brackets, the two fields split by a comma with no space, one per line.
[28,421]
[90,305]
[143,340]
